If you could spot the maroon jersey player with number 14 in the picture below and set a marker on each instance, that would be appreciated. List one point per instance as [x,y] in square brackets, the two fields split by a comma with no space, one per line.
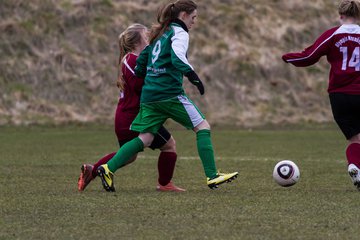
[341,46]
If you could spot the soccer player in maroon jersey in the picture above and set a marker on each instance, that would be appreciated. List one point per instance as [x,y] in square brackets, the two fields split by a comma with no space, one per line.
[341,46]
[131,42]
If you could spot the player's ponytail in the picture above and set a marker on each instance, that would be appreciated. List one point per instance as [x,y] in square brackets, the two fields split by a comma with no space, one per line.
[169,13]
[350,8]
[128,40]
[123,51]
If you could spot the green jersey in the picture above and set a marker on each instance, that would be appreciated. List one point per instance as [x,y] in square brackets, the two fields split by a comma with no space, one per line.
[163,64]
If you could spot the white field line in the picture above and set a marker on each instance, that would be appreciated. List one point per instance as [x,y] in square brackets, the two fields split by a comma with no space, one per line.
[217,158]
[238,159]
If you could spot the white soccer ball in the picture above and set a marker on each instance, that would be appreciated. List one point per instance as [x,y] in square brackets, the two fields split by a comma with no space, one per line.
[286,173]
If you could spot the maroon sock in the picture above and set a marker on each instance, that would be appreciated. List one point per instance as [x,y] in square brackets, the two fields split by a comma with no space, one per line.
[353,154]
[166,165]
[102,161]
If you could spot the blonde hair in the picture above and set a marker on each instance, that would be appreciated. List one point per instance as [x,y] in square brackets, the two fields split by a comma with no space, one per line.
[128,40]
[350,8]
[169,13]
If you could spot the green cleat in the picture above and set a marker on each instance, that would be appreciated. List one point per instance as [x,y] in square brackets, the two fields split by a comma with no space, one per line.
[107,177]
[220,179]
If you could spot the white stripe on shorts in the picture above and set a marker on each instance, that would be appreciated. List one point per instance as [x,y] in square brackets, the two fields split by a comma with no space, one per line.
[193,113]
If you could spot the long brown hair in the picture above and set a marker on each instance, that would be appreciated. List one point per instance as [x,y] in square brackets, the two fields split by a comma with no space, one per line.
[350,8]
[169,13]
[128,40]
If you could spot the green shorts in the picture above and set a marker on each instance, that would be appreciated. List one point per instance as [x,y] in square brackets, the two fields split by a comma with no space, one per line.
[153,115]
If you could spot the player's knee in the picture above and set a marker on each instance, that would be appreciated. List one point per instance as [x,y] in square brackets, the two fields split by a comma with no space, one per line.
[169,146]
[146,138]
[203,125]
[355,139]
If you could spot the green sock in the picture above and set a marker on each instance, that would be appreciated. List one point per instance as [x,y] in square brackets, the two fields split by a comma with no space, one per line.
[206,152]
[125,153]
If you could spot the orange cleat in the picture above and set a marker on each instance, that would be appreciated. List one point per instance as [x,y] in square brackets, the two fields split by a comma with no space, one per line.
[85,176]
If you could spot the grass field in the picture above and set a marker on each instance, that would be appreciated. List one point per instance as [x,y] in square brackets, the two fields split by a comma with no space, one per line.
[39,197]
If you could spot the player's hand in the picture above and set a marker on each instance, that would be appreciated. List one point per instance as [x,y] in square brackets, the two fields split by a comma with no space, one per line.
[194,79]
[200,87]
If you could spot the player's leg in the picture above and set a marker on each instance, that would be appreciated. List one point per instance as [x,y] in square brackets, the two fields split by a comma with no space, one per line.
[148,121]
[123,133]
[353,157]
[167,160]
[353,150]
[346,111]
[89,171]
[126,152]
[130,149]
[205,149]
[185,112]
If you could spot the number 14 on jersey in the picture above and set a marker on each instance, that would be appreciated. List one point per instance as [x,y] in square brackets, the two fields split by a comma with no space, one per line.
[354,60]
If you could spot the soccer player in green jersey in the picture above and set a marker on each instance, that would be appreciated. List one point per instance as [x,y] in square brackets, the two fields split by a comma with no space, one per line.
[163,63]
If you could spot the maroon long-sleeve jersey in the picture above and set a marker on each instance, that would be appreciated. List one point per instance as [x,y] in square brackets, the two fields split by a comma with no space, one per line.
[129,99]
[341,46]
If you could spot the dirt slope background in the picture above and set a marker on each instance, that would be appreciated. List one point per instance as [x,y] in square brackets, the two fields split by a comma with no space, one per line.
[59,59]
